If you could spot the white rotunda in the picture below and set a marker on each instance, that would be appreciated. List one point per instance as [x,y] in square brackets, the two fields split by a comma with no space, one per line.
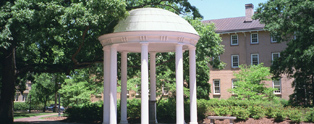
[148,31]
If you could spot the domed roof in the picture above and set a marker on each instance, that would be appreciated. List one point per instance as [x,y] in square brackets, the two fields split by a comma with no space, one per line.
[154,19]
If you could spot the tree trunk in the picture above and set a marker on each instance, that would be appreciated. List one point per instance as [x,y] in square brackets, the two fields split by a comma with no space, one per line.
[8,86]
[45,103]
[312,90]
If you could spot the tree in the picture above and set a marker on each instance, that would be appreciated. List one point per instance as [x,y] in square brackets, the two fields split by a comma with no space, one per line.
[58,36]
[43,88]
[291,21]
[249,83]
[81,84]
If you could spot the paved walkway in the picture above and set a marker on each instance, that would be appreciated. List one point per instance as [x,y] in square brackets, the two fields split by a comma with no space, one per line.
[37,120]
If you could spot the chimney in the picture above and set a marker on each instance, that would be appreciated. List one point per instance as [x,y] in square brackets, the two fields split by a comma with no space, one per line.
[249,11]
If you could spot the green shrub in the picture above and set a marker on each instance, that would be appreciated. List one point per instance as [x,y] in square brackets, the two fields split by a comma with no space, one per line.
[88,112]
[240,113]
[310,115]
[295,116]
[279,116]
[20,106]
[134,108]
[271,112]
[203,108]
[256,112]
[222,111]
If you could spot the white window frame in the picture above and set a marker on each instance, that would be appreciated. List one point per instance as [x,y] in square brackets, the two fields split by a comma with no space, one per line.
[252,58]
[272,55]
[214,86]
[256,38]
[275,86]
[232,39]
[237,61]
[272,39]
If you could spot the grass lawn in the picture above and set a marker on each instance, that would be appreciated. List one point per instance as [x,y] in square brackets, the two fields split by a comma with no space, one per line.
[18,115]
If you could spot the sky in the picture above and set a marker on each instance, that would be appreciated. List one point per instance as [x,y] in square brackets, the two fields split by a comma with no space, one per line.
[218,9]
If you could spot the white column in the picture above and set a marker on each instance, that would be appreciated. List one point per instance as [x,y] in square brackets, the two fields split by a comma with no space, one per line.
[179,85]
[106,111]
[123,88]
[144,84]
[113,84]
[193,99]
[153,114]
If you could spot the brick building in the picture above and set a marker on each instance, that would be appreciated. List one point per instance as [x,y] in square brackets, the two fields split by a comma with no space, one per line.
[245,42]
[18,97]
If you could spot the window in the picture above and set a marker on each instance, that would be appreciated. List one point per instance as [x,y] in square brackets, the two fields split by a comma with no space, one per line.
[273,40]
[277,85]
[24,97]
[17,97]
[254,59]
[235,61]
[216,86]
[234,39]
[275,56]
[254,38]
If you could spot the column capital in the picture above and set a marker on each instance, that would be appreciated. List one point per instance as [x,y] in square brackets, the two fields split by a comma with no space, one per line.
[106,48]
[179,44]
[114,45]
[192,47]
[153,52]
[144,43]
[124,52]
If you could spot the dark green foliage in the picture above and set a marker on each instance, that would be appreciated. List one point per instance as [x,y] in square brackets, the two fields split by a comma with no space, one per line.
[202,108]
[256,112]
[295,116]
[279,116]
[18,106]
[222,111]
[87,112]
[134,110]
[291,21]
[240,113]
[310,115]
[271,112]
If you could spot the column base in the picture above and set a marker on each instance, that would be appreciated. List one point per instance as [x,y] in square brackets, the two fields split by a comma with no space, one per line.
[124,122]
[152,112]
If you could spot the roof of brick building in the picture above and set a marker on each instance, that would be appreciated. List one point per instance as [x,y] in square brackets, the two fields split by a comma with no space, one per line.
[236,24]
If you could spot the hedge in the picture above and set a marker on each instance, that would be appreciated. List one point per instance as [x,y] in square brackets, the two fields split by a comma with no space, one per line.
[166,110]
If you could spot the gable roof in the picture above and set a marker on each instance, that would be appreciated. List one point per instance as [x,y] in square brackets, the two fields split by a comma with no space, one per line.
[237,24]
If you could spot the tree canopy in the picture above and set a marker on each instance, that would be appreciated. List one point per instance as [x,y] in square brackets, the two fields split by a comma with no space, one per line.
[291,21]
[58,36]
[249,83]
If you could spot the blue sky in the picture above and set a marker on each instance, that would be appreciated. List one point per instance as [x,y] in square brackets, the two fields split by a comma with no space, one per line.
[217,9]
